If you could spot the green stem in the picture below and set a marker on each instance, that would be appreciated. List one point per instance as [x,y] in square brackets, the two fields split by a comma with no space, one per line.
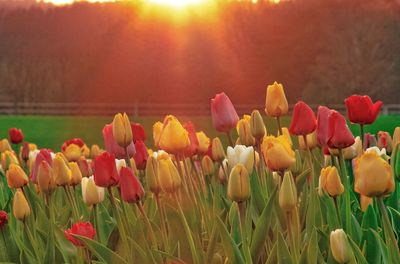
[32,240]
[337,210]
[362,136]
[292,237]
[164,232]
[346,183]
[147,221]
[230,140]
[389,234]
[127,158]
[278,121]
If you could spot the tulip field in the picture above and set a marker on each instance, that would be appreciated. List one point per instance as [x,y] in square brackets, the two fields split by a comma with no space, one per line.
[267,187]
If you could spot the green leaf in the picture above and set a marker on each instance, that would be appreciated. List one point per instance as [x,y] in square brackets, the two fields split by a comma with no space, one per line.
[231,249]
[283,251]
[357,252]
[313,248]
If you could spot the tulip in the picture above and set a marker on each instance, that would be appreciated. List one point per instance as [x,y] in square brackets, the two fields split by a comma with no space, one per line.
[21,209]
[223,113]
[360,109]
[152,178]
[243,155]
[395,161]
[76,175]
[285,133]
[194,142]
[385,141]
[122,131]
[119,164]
[365,201]
[276,104]
[218,153]
[16,177]
[257,126]
[380,152]
[91,193]
[24,152]
[113,147]
[85,151]
[330,182]
[3,219]
[141,155]
[95,150]
[351,152]
[45,179]
[4,145]
[16,135]
[84,167]
[131,189]
[288,193]
[221,173]
[157,128]
[207,166]
[311,141]
[72,149]
[244,131]
[396,137]
[239,184]
[369,140]
[138,132]
[61,171]
[373,176]
[339,134]
[323,125]
[168,176]
[340,246]
[278,153]
[105,170]
[303,120]
[297,167]
[84,229]
[8,158]
[173,137]
[204,143]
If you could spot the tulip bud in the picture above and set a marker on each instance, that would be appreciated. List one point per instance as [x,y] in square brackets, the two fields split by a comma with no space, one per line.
[365,201]
[311,141]
[239,184]
[169,178]
[330,182]
[5,145]
[3,219]
[221,173]
[76,175]
[204,143]
[244,132]
[131,189]
[24,152]
[16,135]
[303,120]
[85,151]
[257,126]
[138,132]
[395,161]
[45,178]
[369,140]
[396,137]
[157,128]
[21,209]
[84,167]
[340,246]
[122,130]
[207,165]
[385,141]
[152,175]
[298,165]
[223,113]
[91,193]
[275,102]
[218,153]
[72,152]
[61,171]
[288,193]
[276,178]
[95,151]
[8,158]
[16,177]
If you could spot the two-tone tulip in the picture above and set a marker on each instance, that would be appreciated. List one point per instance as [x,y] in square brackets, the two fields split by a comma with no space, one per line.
[329,181]
[239,184]
[204,142]
[194,142]
[73,149]
[278,153]
[61,171]
[76,174]
[91,193]
[276,104]
[16,177]
[45,179]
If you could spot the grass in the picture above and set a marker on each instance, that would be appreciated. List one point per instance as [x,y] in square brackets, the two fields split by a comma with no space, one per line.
[52,131]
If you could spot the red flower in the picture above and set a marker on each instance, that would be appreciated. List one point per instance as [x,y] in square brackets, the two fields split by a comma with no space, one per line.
[322,125]
[385,141]
[339,134]
[223,113]
[105,170]
[138,132]
[77,141]
[131,188]
[369,140]
[141,155]
[112,146]
[44,154]
[25,151]
[303,120]
[84,229]
[84,167]
[360,109]
[16,135]
[3,218]
[194,142]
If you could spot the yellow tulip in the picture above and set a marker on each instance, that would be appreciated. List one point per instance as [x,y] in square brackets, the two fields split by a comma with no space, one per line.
[122,130]
[168,176]
[4,145]
[8,158]
[204,142]
[285,132]
[174,138]
[239,184]
[330,182]
[95,151]
[85,151]
[62,173]
[217,150]
[207,165]
[278,153]
[16,177]
[91,193]
[257,126]
[275,103]
[340,246]
[45,178]
[288,193]
[311,141]
[365,201]
[157,128]
[76,174]
[152,178]
[244,131]
[72,152]
[396,137]
[373,176]
[21,209]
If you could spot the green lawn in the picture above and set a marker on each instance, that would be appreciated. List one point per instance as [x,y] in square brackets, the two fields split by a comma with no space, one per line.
[52,131]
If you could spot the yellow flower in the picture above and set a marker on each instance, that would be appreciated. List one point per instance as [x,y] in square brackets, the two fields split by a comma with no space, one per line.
[168,175]
[330,182]
[72,152]
[16,177]
[217,150]
[21,209]
[95,151]
[244,131]
[373,176]
[340,246]
[174,138]
[85,151]
[157,128]
[257,126]
[76,174]
[61,171]
[288,193]
[7,158]
[396,137]
[275,103]
[285,132]
[91,193]
[278,153]
[311,141]
[45,177]
[4,145]
[239,184]
[207,165]
[152,175]
[204,142]
[122,130]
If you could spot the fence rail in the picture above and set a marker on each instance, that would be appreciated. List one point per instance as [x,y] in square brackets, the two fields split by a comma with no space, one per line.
[138,109]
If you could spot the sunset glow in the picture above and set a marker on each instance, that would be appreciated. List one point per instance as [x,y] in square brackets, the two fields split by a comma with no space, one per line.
[66,2]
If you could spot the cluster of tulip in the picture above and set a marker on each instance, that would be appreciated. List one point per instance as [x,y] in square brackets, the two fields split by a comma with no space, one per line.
[334,199]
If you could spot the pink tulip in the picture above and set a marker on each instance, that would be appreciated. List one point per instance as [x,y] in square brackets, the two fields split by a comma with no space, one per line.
[223,113]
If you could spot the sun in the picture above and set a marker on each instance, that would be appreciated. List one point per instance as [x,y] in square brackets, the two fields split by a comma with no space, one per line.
[175,3]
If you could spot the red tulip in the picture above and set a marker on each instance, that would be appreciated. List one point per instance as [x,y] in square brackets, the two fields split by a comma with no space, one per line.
[3,218]
[369,140]
[303,120]
[322,125]
[105,171]
[360,109]
[44,154]
[84,229]
[141,155]
[223,113]
[194,142]
[385,141]
[131,188]
[16,135]
[138,132]
[112,146]
[25,151]
[84,167]
[339,134]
